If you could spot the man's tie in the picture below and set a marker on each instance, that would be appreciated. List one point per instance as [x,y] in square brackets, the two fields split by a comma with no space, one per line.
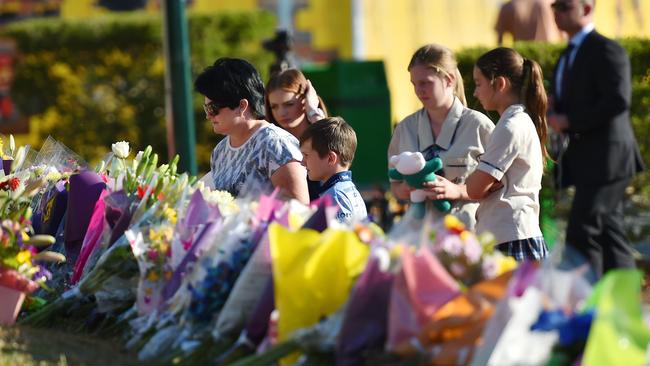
[566,54]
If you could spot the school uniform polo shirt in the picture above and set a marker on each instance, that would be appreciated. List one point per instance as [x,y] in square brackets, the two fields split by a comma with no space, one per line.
[463,137]
[513,157]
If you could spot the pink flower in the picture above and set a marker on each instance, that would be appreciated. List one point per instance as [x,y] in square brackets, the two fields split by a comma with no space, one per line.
[152,254]
[187,244]
[489,267]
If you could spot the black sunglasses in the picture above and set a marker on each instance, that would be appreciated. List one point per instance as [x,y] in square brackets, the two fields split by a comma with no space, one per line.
[561,6]
[211,109]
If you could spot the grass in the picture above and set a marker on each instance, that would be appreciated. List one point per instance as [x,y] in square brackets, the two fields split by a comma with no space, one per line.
[26,346]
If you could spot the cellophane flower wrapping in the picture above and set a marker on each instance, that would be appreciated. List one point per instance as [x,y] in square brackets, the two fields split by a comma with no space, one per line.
[365,326]
[313,274]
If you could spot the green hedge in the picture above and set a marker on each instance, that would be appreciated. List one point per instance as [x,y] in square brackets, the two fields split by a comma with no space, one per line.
[89,83]
[547,55]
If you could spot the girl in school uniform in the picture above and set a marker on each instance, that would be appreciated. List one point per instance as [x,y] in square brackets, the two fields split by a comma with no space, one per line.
[444,127]
[508,179]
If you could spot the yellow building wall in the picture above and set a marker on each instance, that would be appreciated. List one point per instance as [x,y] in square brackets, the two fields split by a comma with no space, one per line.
[394,29]
[72,9]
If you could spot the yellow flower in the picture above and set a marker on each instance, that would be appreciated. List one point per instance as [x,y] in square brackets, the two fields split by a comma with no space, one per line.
[170,214]
[152,276]
[153,235]
[23,256]
[505,264]
[167,233]
[452,222]
[163,234]
[465,235]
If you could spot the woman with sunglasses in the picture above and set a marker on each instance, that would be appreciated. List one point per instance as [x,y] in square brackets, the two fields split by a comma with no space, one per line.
[292,103]
[255,156]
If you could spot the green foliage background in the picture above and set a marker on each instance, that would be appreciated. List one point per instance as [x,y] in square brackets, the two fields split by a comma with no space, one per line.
[90,83]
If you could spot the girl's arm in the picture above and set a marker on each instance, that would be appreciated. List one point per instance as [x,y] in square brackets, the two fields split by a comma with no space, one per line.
[314,113]
[479,185]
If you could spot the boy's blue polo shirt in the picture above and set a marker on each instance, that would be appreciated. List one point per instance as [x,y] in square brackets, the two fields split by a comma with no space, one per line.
[341,188]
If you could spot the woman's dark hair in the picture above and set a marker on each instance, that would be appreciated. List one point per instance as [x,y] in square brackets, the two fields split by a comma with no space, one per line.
[230,80]
[290,80]
[527,81]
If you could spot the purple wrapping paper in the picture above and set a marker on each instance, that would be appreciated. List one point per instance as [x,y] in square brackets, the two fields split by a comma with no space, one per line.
[318,221]
[258,324]
[85,188]
[120,226]
[199,212]
[53,207]
[365,326]
[118,214]
[208,232]
[6,166]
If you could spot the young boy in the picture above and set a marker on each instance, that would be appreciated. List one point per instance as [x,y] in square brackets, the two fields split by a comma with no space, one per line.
[328,148]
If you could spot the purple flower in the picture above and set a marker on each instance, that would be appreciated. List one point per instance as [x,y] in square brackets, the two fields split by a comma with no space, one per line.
[472,250]
[451,244]
[457,269]
[42,273]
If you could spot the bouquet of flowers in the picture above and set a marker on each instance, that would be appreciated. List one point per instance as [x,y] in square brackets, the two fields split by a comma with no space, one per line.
[152,247]
[149,190]
[446,325]
[468,258]
[20,272]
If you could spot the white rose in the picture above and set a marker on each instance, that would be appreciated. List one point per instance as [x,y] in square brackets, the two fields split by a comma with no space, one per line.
[121,149]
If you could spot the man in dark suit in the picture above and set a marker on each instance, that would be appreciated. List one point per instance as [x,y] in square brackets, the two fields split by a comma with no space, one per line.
[591,105]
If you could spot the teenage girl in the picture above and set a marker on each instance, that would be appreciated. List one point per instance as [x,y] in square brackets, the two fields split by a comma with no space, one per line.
[292,104]
[509,176]
[444,127]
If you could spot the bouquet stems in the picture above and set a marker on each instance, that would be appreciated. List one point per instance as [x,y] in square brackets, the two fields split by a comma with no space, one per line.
[117,261]
[270,356]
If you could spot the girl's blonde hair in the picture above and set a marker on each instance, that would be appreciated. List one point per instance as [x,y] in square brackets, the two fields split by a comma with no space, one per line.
[442,60]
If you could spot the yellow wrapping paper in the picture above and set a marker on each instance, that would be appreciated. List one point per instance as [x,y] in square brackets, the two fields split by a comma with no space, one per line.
[313,273]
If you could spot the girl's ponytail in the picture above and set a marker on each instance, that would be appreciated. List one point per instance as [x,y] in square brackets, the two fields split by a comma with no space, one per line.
[527,82]
[533,96]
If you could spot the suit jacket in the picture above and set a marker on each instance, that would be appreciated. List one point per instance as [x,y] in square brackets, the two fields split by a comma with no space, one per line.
[596,98]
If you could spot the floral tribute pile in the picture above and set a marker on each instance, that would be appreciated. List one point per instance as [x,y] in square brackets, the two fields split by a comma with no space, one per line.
[186,275]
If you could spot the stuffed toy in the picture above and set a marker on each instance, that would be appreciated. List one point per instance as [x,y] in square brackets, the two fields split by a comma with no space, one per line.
[412,168]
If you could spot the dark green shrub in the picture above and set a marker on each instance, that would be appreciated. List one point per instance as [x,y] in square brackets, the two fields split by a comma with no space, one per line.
[92,82]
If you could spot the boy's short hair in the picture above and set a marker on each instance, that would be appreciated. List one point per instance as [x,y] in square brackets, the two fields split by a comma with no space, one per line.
[332,134]
[230,80]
